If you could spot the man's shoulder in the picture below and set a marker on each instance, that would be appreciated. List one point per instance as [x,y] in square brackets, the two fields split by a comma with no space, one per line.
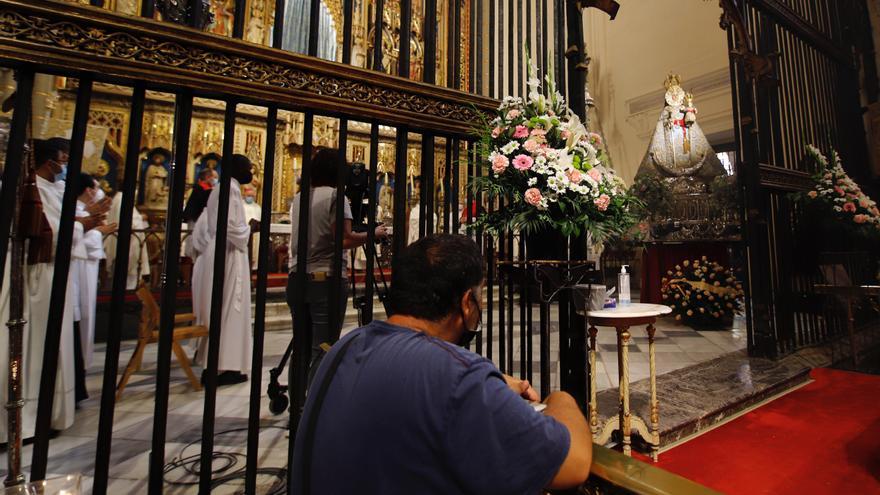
[420,348]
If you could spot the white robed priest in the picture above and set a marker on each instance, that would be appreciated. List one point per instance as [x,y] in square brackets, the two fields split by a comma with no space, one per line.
[252,213]
[85,261]
[50,159]
[235,333]
[138,256]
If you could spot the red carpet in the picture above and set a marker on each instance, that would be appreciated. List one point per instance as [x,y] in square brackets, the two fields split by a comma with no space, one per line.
[823,438]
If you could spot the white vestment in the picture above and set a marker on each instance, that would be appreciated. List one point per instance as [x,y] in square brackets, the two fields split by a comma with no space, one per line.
[84,268]
[37,292]
[253,211]
[235,333]
[138,256]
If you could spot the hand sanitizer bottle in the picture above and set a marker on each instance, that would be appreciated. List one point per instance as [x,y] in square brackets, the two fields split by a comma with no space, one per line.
[623,286]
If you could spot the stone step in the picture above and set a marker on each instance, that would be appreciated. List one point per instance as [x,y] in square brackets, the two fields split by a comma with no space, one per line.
[696,398]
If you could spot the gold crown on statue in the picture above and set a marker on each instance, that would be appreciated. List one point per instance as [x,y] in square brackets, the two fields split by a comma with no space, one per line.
[672,80]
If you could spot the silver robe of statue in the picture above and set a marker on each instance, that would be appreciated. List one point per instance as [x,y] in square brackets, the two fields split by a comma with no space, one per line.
[679,151]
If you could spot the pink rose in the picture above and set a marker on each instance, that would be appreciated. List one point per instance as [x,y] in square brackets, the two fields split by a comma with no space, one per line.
[812,194]
[533,196]
[860,218]
[602,202]
[513,114]
[523,162]
[840,191]
[574,175]
[496,132]
[595,174]
[539,132]
[849,207]
[521,132]
[864,203]
[531,145]
[595,138]
[499,163]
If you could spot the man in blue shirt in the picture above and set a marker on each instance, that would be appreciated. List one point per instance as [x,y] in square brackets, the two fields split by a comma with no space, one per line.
[398,407]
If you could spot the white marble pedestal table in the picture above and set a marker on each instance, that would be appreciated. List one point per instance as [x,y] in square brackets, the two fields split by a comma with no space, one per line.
[622,318]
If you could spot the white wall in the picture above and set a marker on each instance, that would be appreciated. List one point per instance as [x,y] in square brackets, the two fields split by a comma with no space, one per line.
[631,57]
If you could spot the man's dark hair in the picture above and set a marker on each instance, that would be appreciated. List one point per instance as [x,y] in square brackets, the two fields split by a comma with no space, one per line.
[325,167]
[241,169]
[47,149]
[86,181]
[432,274]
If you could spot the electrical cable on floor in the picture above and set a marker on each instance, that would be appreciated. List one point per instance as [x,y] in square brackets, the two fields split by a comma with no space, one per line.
[224,474]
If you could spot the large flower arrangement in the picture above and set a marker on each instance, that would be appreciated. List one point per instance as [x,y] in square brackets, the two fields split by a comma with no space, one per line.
[550,170]
[702,293]
[838,198]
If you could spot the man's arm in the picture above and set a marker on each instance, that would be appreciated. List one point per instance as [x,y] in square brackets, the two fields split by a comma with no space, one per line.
[576,467]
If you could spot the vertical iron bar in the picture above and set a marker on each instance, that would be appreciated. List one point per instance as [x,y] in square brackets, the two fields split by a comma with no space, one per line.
[559,49]
[502,329]
[278,27]
[456,185]
[500,22]
[398,240]
[378,26]
[370,248]
[347,19]
[14,159]
[216,319]
[117,298]
[475,42]
[425,191]
[314,24]
[336,281]
[253,440]
[447,186]
[490,291]
[12,202]
[238,19]
[430,184]
[405,37]
[511,50]
[148,8]
[430,32]
[530,328]
[576,96]
[450,43]
[491,61]
[510,293]
[543,36]
[523,301]
[302,332]
[545,348]
[522,38]
[54,325]
[171,262]
[456,50]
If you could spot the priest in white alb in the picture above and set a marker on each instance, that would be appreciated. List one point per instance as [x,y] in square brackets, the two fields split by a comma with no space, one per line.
[235,326]
[50,159]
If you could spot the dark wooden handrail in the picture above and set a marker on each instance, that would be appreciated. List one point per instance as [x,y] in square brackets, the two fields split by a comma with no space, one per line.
[57,35]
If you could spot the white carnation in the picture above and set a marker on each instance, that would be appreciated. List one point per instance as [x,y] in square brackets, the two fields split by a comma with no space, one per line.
[533,181]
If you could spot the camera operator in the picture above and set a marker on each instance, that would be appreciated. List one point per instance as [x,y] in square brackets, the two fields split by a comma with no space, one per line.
[322,248]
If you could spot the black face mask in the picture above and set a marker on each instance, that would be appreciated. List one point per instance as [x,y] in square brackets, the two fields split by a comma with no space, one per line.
[468,336]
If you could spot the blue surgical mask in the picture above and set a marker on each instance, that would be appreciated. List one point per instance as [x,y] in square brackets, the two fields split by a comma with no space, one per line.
[61,176]
[215,181]
[249,200]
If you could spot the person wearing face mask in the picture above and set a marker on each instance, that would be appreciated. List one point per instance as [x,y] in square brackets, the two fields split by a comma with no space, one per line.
[235,318]
[400,407]
[50,158]
[198,199]
[86,257]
